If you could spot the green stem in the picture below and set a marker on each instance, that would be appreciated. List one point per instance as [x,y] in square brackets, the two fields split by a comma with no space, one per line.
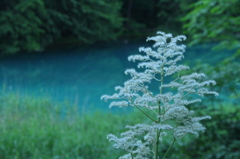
[143,111]
[156,145]
[131,155]
[174,140]
[158,121]
[145,114]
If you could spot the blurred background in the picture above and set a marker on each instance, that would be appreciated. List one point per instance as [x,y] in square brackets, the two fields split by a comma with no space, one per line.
[58,57]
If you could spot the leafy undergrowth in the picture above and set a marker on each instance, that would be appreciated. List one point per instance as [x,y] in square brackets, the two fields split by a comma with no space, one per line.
[34,129]
[220,141]
[38,129]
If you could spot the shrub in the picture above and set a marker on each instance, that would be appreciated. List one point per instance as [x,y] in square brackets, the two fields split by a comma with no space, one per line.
[167,108]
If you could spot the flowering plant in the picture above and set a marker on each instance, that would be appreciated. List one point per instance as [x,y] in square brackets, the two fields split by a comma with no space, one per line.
[168,108]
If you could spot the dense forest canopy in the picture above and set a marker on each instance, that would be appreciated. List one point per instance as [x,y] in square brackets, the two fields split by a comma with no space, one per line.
[31,25]
[214,21]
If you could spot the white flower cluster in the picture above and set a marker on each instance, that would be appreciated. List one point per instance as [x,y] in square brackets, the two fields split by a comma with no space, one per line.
[170,104]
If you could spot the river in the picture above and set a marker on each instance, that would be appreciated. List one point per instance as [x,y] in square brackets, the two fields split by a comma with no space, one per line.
[79,75]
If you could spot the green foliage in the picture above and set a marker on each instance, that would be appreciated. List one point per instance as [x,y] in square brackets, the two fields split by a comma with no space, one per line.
[219,21]
[221,141]
[169,14]
[226,75]
[89,21]
[22,27]
[146,17]
[30,25]
[36,128]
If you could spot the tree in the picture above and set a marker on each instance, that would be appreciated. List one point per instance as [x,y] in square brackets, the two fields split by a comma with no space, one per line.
[218,21]
[30,25]
[21,27]
[144,17]
[214,21]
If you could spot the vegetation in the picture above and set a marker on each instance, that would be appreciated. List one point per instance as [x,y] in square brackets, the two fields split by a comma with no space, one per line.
[36,128]
[214,21]
[146,17]
[220,141]
[30,25]
[166,108]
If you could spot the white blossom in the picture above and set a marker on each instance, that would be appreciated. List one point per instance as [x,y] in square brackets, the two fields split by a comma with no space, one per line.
[169,105]
[119,103]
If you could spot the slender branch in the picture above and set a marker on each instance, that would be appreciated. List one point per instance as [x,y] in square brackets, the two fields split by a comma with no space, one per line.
[146,114]
[131,155]
[185,95]
[153,151]
[156,79]
[155,112]
[176,78]
[156,145]
[174,140]
[143,111]
[159,112]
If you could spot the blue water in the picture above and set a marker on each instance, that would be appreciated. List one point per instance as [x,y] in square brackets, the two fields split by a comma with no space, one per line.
[79,75]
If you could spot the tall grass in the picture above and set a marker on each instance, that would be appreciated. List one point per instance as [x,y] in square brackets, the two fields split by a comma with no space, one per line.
[37,129]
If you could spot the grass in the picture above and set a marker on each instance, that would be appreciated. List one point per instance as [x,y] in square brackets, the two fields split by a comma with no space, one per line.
[37,129]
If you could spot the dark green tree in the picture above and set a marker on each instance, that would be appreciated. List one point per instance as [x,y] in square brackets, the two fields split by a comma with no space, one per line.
[218,21]
[88,20]
[30,25]
[146,17]
[214,21]
[21,26]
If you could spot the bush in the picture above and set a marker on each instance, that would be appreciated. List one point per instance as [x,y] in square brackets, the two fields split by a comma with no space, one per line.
[220,141]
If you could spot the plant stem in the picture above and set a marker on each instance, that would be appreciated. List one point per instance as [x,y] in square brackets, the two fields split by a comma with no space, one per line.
[159,112]
[156,145]
[131,155]
[145,114]
[174,140]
